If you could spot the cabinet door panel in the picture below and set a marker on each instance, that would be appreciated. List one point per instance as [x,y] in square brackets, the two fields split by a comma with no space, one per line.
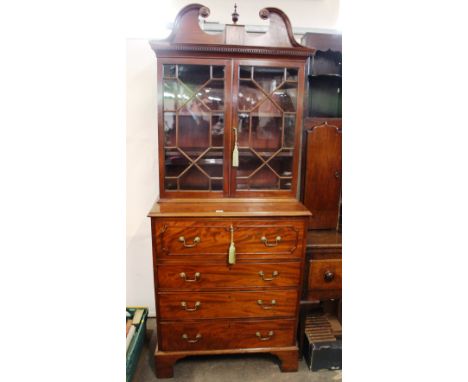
[267,118]
[195,103]
[323,174]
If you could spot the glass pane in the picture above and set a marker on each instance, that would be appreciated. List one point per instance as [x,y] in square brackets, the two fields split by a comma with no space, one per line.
[242,184]
[245,72]
[269,78]
[248,163]
[212,95]
[170,184]
[243,129]
[212,163]
[217,130]
[217,184]
[194,179]
[194,128]
[289,129]
[175,94]
[286,184]
[175,162]
[286,97]
[249,95]
[266,135]
[194,75]
[268,108]
[169,71]
[282,163]
[218,72]
[169,129]
[291,74]
[264,179]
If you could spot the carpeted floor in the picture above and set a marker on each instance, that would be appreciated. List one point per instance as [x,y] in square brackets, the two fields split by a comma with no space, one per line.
[233,368]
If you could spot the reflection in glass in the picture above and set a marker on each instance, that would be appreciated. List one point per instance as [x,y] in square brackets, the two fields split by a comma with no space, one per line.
[264,179]
[245,72]
[243,129]
[289,129]
[266,135]
[218,72]
[169,129]
[175,162]
[217,130]
[286,97]
[212,95]
[194,75]
[212,163]
[175,94]
[286,184]
[282,163]
[268,78]
[169,71]
[194,179]
[248,162]
[170,184]
[249,95]
[291,74]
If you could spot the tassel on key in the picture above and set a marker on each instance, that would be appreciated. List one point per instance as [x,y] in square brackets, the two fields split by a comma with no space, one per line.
[232,248]
[235,151]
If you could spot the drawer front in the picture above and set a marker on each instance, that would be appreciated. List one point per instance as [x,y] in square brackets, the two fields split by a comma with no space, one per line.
[325,274]
[226,334]
[193,305]
[247,275]
[211,239]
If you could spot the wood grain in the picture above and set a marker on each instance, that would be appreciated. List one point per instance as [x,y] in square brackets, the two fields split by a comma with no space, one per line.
[226,334]
[224,276]
[234,304]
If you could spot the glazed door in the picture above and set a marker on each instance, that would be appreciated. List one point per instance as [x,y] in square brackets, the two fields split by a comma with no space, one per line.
[266,120]
[194,105]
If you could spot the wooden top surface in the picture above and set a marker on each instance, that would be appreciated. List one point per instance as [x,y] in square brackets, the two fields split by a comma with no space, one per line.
[324,239]
[228,208]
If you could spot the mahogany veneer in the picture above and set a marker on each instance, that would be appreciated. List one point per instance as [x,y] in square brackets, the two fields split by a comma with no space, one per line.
[229,236]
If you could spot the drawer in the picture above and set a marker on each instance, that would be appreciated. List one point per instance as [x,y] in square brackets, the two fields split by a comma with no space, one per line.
[247,275]
[212,238]
[238,304]
[325,274]
[226,334]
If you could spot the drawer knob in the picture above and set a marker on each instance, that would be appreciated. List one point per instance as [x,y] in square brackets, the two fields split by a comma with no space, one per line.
[328,276]
[196,339]
[264,240]
[270,306]
[196,240]
[183,304]
[271,333]
[196,278]
[273,275]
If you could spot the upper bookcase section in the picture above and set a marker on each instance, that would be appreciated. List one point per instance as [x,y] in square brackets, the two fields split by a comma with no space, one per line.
[188,37]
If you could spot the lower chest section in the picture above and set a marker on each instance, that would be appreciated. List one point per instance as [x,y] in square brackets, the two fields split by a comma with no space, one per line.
[207,298]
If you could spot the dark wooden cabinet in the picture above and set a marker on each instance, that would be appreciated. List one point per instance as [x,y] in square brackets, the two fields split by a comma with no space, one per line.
[323,172]
[229,235]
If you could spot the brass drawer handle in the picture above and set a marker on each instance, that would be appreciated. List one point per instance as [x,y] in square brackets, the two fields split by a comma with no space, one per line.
[273,275]
[183,304]
[264,240]
[197,338]
[196,240]
[271,333]
[260,302]
[196,278]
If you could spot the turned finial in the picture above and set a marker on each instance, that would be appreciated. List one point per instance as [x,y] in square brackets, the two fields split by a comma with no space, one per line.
[235,15]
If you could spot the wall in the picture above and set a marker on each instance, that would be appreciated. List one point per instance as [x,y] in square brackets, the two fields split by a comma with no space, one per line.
[142,167]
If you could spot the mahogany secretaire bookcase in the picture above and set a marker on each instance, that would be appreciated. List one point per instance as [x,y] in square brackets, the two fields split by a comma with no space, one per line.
[228,232]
